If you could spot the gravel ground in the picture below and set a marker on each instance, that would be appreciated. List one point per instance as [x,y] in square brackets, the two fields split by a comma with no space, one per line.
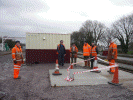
[35,85]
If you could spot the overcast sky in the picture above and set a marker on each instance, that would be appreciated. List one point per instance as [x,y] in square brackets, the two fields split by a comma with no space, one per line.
[57,16]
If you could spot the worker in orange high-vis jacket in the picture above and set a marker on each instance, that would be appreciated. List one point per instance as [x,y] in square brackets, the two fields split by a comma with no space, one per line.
[86,53]
[94,52]
[112,55]
[17,59]
[61,53]
[73,53]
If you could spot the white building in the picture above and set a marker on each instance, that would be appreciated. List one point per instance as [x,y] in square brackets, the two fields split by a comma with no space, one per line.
[4,49]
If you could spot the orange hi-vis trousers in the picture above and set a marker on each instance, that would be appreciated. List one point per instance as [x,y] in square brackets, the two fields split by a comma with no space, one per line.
[16,70]
[110,63]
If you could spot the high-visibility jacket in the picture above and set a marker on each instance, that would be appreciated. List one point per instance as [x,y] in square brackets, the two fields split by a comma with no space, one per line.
[112,51]
[75,49]
[58,48]
[17,54]
[93,51]
[86,50]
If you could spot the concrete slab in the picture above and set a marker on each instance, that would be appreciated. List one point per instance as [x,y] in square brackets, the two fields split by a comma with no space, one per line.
[79,60]
[124,77]
[79,79]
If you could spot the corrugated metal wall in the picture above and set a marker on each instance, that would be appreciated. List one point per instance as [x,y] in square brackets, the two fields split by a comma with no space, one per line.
[35,40]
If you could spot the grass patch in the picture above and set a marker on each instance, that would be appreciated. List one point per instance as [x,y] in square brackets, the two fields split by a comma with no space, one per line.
[130,52]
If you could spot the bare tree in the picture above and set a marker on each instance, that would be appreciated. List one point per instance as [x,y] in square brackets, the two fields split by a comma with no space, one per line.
[87,34]
[78,39]
[98,31]
[131,43]
[123,29]
[106,36]
[93,30]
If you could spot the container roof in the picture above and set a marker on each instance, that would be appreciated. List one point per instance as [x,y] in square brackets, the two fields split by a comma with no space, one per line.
[50,33]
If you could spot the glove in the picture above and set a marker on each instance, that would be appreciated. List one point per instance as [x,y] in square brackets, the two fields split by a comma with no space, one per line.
[15,61]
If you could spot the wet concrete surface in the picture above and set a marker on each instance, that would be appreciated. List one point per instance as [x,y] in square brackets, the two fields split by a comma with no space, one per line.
[88,78]
[35,85]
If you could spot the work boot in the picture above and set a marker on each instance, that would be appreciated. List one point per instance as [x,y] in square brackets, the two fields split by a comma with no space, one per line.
[85,67]
[19,77]
[75,65]
[62,64]
[110,72]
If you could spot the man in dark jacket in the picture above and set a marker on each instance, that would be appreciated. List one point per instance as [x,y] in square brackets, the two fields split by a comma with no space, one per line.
[61,53]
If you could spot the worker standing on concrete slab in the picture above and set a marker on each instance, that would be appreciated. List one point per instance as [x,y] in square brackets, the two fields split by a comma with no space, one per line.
[17,59]
[94,52]
[112,55]
[86,53]
[73,53]
[61,53]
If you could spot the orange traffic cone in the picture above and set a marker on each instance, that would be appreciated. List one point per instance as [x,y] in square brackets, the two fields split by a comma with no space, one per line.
[95,66]
[115,80]
[71,66]
[56,72]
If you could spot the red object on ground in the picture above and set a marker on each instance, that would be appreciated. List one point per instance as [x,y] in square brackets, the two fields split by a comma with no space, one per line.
[105,52]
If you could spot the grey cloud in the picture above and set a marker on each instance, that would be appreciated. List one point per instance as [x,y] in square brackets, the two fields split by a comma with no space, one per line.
[13,11]
[122,2]
[24,5]
[13,15]
[16,20]
[20,16]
